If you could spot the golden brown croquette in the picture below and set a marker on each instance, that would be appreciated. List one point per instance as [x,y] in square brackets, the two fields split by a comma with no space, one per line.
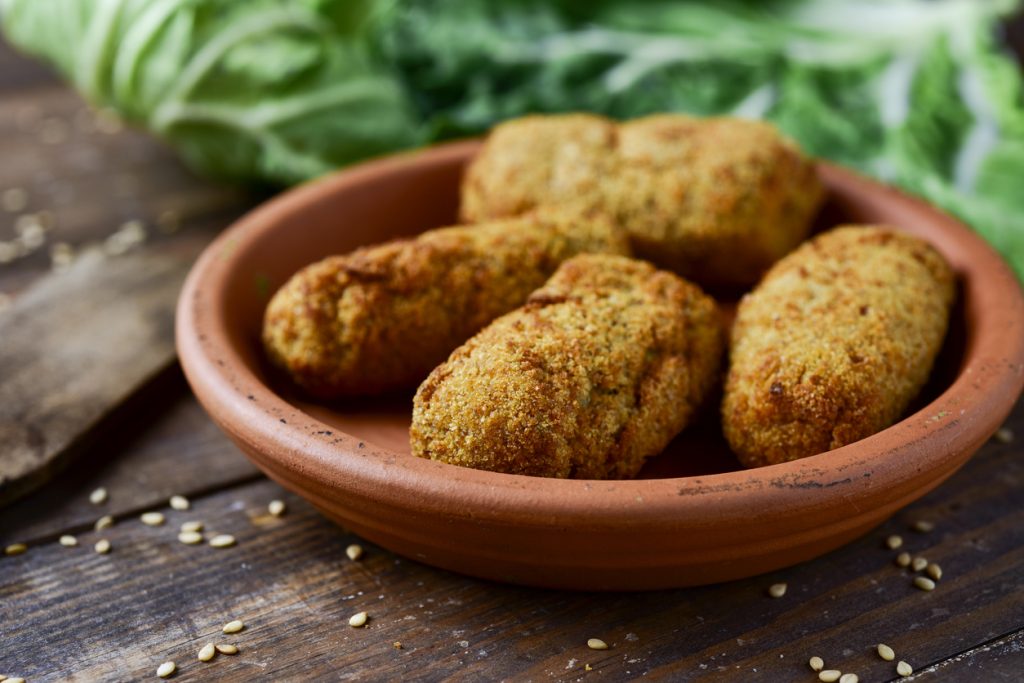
[380,318]
[600,369]
[717,200]
[834,343]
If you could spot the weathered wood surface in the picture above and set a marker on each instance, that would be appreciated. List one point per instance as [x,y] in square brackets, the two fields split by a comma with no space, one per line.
[77,343]
[69,613]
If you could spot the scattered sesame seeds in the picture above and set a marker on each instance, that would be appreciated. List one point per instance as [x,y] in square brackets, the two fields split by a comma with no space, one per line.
[924,583]
[918,564]
[358,620]
[587,667]
[192,526]
[354,552]
[829,675]
[206,652]
[102,546]
[233,626]
[222,541]
[397,645]
[934,571]
[904,669]
[777,590]
[597,644]
[166,669]
[903,560]
[849,678]
[14,199]
[190,537]
[276,507]
[68,541]
[98,497]
[1004,435]
[15,549]
[104,522]
[180,503]
[227,649]
[62,255]
[923,526]
[886,652]
[152,518]
[894,542]
[816,663]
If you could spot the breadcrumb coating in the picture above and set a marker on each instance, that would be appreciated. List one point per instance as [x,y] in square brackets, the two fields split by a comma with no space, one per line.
[382,317]
[834,344]
[717,200]
[600,369]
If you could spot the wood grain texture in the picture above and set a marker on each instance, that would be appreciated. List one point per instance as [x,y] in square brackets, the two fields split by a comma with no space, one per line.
[72,614]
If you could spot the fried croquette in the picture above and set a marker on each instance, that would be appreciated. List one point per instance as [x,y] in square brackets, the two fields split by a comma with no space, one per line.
[600,369]
[381,318]
[834,343]
[717,200]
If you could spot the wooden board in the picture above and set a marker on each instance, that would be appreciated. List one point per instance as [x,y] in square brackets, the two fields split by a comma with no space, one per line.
[78,342]
[72,614]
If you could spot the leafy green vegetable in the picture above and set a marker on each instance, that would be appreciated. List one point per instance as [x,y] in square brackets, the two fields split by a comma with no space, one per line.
[264,89]
[919,93]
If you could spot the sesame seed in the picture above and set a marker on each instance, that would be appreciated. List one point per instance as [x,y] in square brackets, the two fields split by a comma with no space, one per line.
[276,507]
[1004,435]
[227,649]
[15,549]
[102,546]
[587,667]
[233,626]
[192,526]
[894,542]
[190,537]
[165,669]
[180,503]
[152,518]
[919,564]
[68,541]
[206,652]
[397,645]
[923,526]
[903,560]
[98,497]
[816,663]
[924,583]
[222,541]
[849,678]
[104,522]
[904,669]
[16,679]
[61,255]
[354,552]
[358,620]
[885,652]
[829,675]
[14,200]
[777,590]
[597,644]
[934,571]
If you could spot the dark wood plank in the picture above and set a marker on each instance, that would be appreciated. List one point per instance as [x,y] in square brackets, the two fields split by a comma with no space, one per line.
[160,444]
[79,344]
[999,660]
[74,613]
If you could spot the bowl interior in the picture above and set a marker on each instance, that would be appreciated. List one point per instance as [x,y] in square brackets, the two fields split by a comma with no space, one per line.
[409,199]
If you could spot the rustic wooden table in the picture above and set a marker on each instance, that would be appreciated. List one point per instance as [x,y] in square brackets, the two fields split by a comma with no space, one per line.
[69,613]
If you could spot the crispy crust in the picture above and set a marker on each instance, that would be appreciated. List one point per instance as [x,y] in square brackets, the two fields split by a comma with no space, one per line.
[379,319]
[600,369]
[718,200]
[834,343]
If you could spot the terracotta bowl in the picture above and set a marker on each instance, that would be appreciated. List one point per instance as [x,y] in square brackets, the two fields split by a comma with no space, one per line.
[694,517]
